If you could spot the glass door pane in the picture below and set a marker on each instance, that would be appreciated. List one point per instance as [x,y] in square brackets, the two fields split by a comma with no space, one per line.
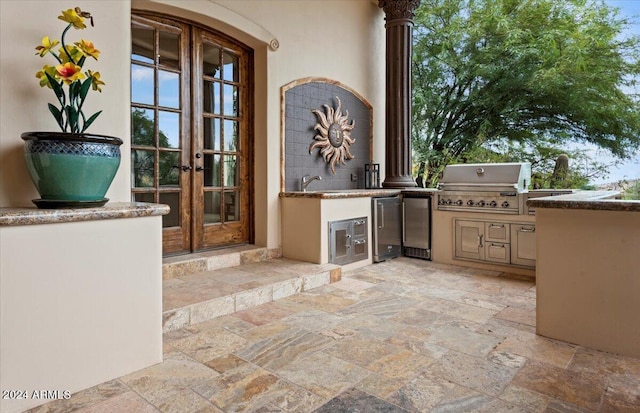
[160,166]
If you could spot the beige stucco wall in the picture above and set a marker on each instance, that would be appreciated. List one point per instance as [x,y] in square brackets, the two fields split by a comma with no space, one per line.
[80,304]
[588,278]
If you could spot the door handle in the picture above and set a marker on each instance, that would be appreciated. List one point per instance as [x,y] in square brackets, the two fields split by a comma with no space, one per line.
[381,221]
[199,169]
[184,168]
[480,240]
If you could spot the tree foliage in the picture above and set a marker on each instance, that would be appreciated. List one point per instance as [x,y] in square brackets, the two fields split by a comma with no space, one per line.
[143,133]
[534,73]
[632,191]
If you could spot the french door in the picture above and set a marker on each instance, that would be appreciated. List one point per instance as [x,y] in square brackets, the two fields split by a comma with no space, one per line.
[190,132]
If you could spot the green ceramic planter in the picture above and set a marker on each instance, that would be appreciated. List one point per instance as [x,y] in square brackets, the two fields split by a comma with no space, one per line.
[69,169]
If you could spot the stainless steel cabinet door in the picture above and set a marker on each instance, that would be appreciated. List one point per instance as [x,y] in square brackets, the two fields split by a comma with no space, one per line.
[469,239]
[387,228]
[416,223]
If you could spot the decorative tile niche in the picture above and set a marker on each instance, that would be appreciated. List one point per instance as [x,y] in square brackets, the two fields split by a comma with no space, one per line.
[299,99]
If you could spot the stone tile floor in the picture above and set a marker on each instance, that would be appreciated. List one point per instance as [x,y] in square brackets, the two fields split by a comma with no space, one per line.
[404,335]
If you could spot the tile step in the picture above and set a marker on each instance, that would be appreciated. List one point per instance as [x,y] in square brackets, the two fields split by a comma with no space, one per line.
[196,297]
[181,265]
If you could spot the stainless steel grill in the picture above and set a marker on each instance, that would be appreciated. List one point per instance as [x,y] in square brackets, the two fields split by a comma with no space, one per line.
[491,187]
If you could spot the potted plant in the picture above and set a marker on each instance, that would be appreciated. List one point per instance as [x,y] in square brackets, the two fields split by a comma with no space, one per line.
[71,168]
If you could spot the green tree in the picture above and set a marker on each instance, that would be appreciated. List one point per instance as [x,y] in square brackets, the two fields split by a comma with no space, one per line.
[143,135]
[525,72]
[632,191]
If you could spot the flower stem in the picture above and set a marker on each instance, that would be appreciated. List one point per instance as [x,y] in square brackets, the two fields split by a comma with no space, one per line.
[64,47]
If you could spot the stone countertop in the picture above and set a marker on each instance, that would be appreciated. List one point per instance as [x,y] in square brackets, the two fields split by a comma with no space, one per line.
[591,200]
[112,210]
[353,193]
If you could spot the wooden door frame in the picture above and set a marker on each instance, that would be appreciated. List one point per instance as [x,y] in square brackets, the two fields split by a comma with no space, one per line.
[192,125]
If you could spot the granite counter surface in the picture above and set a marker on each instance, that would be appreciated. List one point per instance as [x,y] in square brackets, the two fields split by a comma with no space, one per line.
[590,200]
[112,210]
[353,193]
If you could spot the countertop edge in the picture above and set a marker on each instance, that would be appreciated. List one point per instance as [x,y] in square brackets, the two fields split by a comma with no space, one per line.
[587,200]
[112,210]
[352,193]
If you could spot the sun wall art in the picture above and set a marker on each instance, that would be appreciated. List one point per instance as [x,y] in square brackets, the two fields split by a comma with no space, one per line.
[334,135]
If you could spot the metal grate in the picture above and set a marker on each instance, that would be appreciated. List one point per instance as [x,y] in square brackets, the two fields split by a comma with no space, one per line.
[417,253]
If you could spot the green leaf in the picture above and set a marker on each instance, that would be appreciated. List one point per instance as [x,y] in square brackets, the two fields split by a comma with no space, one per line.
[89,121]
[57,88]
[84,89]
[72,116]
[73,93]
[57,114]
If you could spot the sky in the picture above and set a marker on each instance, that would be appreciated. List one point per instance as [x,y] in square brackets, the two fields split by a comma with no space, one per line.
[629,169]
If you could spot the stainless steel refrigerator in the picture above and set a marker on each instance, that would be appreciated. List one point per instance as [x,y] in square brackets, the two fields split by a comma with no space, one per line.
[417,225]
[387,228]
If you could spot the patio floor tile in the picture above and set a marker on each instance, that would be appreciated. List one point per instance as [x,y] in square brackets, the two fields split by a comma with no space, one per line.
[405,335]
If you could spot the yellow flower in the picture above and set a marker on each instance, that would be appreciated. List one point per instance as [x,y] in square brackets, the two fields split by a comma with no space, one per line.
[46,46]
[44,81]
[75,53]
[69,72]
[86,47]
[72,17]
[95,80]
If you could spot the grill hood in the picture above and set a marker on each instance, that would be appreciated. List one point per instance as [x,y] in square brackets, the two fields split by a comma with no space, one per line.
[486,177]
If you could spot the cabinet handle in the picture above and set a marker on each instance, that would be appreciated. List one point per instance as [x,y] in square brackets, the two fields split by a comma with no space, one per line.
[360,241]
[480,240]
[525,229]
[496,226]
[498,245]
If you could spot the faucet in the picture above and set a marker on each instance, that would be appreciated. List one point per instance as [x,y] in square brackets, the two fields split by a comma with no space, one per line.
[306,180]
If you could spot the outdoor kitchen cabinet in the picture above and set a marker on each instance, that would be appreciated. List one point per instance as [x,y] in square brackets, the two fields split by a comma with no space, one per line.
[468,240]
[495,242]
[523,244]
[348,241]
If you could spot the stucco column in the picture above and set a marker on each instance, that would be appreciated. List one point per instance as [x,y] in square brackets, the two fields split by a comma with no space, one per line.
[399,33]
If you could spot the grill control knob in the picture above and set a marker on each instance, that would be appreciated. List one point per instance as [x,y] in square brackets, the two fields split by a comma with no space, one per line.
[459,202]
[470,202]
[480,203]
[505,204]
[448,202]
[493,204]
[440,201]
